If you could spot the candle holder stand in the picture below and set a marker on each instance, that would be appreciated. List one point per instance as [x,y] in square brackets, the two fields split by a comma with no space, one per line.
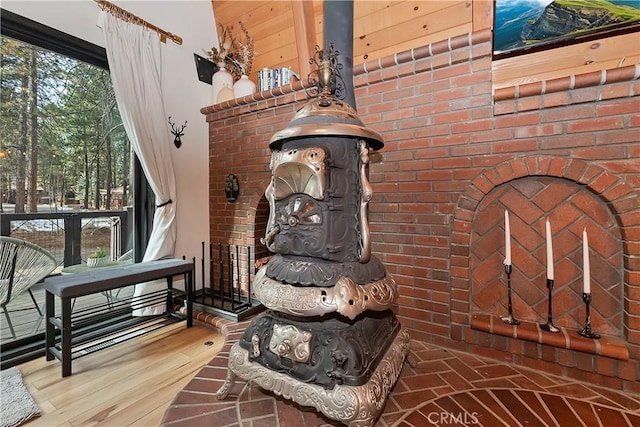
[509,319]
[549,327]
[586,331]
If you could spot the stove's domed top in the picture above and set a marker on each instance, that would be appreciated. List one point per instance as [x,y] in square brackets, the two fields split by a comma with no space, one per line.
[326,115]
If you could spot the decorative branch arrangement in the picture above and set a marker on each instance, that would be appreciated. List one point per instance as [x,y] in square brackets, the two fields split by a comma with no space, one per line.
[243,56]
[235,54]
[219,54]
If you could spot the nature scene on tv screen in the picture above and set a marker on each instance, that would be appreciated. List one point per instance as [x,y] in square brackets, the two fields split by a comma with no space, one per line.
[524,23]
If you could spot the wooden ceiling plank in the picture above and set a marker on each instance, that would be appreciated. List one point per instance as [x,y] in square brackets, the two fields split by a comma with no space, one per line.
[411,44]
[401,12]
[285,55]
[482,14]
[363,8]
[274,41]
[318,13]
[414,30]
[229,12]
[271,24]
[270,38]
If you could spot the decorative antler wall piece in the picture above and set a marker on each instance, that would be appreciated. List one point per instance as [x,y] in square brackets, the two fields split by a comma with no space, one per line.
[177,132]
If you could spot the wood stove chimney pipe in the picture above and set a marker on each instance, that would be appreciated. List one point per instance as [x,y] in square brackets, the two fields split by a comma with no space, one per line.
[338,29]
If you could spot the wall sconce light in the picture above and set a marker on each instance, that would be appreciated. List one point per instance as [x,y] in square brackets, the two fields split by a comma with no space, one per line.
[231,188]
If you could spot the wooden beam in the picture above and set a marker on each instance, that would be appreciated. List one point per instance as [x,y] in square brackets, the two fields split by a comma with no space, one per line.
[482,14]
[304,29]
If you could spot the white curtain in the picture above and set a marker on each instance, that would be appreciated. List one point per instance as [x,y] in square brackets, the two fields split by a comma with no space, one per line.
[134,59]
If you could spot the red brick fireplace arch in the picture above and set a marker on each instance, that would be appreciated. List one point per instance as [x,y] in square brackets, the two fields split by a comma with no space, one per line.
[618,198]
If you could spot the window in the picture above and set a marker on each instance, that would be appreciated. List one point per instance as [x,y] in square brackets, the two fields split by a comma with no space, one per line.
[62,141]
[62,148]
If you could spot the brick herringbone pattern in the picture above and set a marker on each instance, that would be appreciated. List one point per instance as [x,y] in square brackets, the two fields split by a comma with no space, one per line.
[444,387]
[570,210]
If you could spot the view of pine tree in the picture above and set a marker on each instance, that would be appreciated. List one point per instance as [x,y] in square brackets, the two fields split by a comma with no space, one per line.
[61,136]
[32,188]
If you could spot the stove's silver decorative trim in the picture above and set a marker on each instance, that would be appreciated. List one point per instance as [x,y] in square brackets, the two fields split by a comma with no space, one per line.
[346,297]
[270,194]
[255,345]
[297,131]
[299,170]
[356,406]
[290,342]
[365,195]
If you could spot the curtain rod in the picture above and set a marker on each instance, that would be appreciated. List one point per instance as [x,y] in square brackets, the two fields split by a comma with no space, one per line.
[130,17]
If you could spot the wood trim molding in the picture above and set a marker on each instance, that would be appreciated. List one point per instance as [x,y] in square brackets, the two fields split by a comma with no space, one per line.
[482,14]
[37,34]
[304,28]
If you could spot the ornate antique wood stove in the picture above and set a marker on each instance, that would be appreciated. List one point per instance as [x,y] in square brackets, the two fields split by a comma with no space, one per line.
[329,339]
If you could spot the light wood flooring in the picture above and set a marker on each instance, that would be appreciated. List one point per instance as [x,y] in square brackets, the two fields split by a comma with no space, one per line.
[129,384]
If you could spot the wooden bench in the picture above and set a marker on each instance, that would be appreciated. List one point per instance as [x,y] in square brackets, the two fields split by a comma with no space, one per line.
[95,325]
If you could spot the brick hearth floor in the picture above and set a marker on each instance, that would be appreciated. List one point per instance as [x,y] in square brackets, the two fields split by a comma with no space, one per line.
[446,388]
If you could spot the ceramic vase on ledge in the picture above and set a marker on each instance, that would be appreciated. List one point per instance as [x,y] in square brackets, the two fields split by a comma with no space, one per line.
[220,78]
[96,262]
[225,94]
[243,87]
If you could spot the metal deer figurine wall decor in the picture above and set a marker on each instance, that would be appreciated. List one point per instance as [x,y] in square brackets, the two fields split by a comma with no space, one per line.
[177,133]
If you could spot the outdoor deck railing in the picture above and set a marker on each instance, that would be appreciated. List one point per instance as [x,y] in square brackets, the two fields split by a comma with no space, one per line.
[70,236]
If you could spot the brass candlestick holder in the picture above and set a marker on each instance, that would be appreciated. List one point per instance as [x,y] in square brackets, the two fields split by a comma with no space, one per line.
[549,327]
[586,331]
[509,319]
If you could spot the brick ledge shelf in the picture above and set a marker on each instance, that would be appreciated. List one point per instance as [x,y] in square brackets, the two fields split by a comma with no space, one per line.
[529,331]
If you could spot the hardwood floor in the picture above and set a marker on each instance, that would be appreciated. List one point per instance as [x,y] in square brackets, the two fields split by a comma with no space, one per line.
[129,384]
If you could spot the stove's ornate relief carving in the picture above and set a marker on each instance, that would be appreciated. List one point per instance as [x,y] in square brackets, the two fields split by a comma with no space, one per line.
[299,170]
[346,297]
[357,406]
[290,342]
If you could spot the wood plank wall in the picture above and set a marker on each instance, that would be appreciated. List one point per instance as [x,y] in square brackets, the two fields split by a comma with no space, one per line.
[286,31]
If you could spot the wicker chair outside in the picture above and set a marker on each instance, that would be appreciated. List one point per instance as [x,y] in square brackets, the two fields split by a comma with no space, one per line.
[22,265]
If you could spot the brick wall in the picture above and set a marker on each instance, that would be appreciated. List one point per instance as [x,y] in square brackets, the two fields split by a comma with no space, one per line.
[455,156]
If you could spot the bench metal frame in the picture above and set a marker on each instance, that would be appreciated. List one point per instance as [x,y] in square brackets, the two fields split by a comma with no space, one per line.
[92,328]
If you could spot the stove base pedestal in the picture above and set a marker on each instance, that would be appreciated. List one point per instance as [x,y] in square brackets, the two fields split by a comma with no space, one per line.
[356,406]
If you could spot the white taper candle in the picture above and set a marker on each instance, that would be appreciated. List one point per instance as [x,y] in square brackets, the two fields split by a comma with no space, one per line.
[549,252]
[586,276]
[507,239]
